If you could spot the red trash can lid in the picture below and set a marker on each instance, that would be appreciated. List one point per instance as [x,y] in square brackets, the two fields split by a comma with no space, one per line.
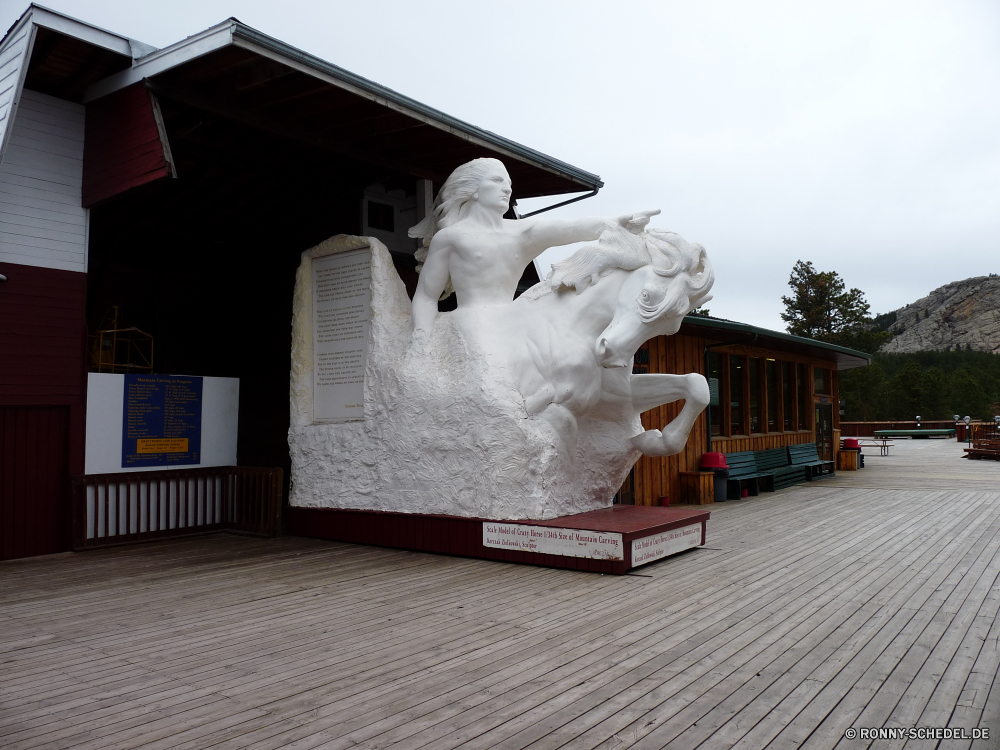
[713,461]
[850,442]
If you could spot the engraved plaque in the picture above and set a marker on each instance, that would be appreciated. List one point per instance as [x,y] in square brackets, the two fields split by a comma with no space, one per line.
[341,309]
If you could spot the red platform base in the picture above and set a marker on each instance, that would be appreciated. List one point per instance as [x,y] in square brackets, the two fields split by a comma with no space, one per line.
[610,540]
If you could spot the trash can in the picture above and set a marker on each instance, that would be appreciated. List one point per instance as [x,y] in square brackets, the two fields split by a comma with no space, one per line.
[716,462]
[851,444]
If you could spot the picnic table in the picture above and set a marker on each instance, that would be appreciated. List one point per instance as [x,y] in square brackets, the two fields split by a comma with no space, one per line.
[882,443]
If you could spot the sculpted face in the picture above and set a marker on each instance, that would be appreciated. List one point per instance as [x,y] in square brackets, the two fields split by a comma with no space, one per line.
[495,189]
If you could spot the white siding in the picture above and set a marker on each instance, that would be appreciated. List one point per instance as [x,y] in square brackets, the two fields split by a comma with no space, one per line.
[41,179]
[12,56]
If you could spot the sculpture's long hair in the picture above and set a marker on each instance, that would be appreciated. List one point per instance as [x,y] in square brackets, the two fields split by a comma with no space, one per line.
[454,200]
[453,203]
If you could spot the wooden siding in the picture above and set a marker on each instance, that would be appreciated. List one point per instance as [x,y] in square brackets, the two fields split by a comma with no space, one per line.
[43,349]
[13,53]
[126,144]
[34,481]
[42,222]
[657,477]
[760,442]
[42,335]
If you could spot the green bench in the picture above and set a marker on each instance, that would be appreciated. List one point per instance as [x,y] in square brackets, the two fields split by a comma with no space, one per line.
[806,456]
[743,468]
[776,462]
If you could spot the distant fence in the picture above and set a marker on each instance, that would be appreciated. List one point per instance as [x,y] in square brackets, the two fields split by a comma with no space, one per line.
[110,509]
[867,429]
[984,431]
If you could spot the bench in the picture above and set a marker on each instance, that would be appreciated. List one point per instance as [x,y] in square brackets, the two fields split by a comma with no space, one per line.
[984,449]
[743,468]
[805,455]
[775,462]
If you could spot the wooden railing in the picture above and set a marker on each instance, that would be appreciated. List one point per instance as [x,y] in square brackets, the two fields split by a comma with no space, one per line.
[984,431]
[110,509]
[867,429]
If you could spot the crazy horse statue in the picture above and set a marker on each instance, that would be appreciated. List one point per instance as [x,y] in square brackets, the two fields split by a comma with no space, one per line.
[523,409]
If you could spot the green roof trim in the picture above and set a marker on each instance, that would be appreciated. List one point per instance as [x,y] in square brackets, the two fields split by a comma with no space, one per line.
[849,357]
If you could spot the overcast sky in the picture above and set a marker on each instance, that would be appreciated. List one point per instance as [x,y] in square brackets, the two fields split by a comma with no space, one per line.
[861,136]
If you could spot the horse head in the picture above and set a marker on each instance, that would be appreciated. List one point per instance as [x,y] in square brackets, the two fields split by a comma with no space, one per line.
[656,296]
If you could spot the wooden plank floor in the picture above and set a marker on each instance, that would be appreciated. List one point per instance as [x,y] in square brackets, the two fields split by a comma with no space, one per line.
[865,600]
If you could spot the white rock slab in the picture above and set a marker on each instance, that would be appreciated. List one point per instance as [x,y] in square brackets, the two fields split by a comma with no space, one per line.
[443,425]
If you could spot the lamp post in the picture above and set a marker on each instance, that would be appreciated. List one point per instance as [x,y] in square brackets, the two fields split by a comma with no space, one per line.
[918,421]
[968,432]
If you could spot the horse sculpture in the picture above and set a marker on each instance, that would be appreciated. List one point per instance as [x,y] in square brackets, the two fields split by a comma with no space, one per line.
[530,410]
[583,325]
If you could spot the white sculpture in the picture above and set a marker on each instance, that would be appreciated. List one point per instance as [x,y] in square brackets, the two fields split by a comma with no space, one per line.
[471,249]
[501,409]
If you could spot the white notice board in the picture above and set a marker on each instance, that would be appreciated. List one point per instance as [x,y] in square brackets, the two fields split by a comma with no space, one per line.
[341,286]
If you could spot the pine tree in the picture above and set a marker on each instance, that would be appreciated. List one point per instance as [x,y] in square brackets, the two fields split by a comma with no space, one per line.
[821,308]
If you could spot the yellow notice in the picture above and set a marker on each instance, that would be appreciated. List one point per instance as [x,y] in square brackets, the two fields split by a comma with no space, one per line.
[161,445]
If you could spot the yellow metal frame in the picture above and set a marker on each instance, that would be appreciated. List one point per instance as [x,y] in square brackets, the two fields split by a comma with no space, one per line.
[120,350]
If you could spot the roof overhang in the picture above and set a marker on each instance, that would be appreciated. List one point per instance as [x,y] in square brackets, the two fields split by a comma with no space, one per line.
[727,331]
[77,61]
[204,50]
[62,24]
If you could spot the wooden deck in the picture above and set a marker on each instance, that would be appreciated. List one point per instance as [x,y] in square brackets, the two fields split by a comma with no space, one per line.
[865,600]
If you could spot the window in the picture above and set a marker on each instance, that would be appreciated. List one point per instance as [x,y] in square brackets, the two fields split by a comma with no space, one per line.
[805,401]
[754,375]
[736,426]
[771,378]
[788,394]
[381,216]
[821,381]
[760,395]
[715,411]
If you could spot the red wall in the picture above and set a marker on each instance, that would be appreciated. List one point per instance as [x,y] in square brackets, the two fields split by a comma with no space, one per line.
[35,515]
[43,377]
[122,147]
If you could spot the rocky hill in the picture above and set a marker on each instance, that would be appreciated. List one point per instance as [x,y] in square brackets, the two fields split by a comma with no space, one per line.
[962,314]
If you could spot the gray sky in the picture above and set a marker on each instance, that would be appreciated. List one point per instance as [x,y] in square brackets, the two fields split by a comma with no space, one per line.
[862,136]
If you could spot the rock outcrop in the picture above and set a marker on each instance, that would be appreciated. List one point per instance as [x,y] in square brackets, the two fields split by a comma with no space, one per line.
[960,315]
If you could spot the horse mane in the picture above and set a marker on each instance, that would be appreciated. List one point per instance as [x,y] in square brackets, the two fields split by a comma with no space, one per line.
[668,252]
[615,248]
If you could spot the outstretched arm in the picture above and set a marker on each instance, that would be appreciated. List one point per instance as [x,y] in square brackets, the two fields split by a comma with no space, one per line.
[432,282]
[543,233]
